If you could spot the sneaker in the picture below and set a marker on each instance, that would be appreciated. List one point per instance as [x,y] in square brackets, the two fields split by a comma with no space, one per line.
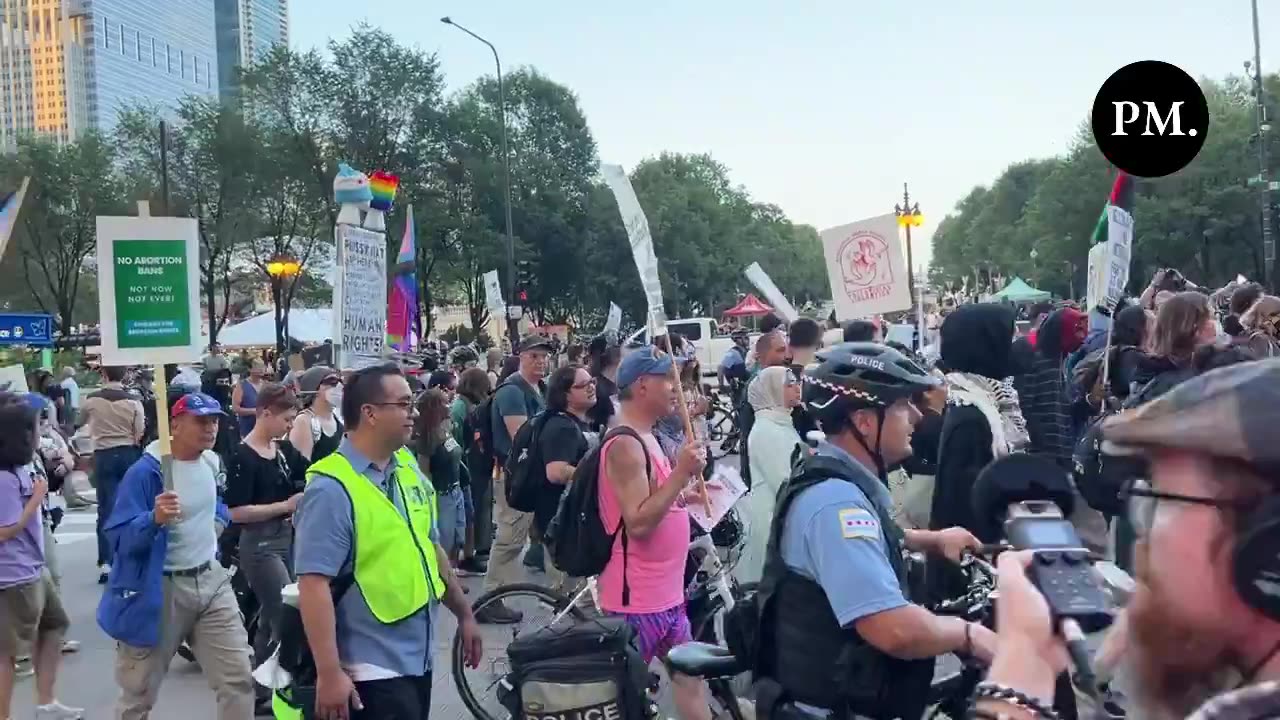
[498,614]
[533,558]
[104,571]
[57,711]
[472,567]
[70,646]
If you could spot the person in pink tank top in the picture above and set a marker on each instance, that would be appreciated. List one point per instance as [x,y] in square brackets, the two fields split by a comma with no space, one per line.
[643,495]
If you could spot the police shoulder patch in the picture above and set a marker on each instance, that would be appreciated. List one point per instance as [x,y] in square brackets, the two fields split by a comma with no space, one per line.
[859,523]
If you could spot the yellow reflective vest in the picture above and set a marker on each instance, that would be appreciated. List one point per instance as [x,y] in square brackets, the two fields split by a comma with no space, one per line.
[390,553]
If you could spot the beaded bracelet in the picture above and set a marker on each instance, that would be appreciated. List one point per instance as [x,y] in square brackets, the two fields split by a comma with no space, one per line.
[1017,698]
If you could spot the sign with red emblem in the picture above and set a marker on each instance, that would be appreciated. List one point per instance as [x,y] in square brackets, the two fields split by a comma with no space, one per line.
[867,268]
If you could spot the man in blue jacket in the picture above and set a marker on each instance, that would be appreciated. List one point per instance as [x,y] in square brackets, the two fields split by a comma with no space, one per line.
[164,548]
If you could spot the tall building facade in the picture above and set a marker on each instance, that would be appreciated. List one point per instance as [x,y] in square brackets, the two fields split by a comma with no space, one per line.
[42,78]
[146,52]
[71,65]
[247,30]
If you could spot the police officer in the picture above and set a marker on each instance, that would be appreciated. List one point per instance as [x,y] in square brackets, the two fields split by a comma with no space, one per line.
[835,576]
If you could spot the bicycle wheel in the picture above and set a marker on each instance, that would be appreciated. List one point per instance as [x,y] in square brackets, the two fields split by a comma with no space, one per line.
[540,606]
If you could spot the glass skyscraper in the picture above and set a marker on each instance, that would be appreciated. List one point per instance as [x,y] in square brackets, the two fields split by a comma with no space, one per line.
[247,30]
[146,52]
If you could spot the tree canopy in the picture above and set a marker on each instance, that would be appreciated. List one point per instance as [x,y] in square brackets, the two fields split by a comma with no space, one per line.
[1204,219]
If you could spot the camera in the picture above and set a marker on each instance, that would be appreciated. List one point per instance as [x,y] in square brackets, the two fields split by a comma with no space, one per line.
[1061,570]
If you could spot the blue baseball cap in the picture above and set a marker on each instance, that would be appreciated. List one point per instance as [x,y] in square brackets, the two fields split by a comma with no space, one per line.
[36,401]
[198,404]
[643,361]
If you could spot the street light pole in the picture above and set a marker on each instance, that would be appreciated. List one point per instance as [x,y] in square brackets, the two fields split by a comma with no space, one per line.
[1269,265]
[909,215]
[513,329]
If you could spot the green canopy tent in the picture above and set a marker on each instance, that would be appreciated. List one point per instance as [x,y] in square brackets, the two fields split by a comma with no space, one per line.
[1018,291]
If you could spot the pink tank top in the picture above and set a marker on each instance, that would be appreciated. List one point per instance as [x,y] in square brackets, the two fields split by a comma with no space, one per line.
[655,564]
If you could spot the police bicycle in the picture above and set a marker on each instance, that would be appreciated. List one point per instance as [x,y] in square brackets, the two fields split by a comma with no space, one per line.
[710,592]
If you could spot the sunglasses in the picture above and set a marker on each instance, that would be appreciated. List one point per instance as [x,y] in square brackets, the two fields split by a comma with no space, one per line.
[1142,500]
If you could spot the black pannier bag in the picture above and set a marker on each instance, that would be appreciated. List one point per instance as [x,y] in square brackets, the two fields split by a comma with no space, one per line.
[589,670]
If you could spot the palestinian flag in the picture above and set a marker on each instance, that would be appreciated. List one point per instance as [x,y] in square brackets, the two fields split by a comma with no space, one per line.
[1122,197]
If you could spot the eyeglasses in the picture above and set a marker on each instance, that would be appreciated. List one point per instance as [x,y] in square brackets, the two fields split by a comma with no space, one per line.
[331,382]
[1142,500]
[583,386]
[406,405]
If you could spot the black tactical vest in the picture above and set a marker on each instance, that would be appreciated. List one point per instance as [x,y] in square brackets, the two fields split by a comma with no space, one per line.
[803,647]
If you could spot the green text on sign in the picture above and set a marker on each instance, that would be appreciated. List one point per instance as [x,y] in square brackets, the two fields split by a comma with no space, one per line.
[151,293]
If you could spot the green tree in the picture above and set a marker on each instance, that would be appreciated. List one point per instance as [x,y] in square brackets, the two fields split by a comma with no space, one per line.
[213,167]
[71,185]
[1202,219]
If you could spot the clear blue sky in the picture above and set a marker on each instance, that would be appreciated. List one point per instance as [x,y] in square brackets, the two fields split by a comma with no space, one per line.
[825,107]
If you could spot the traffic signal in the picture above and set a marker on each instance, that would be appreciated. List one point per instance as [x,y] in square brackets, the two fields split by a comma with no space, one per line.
[524,280]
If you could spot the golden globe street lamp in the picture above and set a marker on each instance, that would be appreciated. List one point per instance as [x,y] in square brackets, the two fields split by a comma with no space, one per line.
[909,216]
[280,268]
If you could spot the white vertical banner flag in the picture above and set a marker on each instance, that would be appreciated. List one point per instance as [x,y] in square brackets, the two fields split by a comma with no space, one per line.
[1096,294]
[641,243]
[867,268]
[1119,247]
[614,322]
[493,294]
[764,284]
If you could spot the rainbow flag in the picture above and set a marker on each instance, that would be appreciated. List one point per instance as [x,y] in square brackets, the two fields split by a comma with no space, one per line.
[402,305]
[9,207]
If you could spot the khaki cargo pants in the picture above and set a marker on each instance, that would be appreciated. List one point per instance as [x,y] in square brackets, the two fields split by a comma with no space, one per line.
[513,531]
[201,609]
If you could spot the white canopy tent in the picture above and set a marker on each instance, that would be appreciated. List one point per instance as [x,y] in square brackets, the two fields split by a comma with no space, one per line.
[305,326]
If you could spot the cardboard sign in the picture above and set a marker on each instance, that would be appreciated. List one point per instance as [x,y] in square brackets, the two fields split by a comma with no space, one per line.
[362,315]
[766,286]
[148,290]
[1096,294]
[866,267]
[1119,251]
[493,294]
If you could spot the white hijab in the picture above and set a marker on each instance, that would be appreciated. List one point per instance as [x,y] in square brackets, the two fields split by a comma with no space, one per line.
[767,393]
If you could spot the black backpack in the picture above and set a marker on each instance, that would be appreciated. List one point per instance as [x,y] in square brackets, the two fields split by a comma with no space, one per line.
[481,424]
[526,474]
[579,543]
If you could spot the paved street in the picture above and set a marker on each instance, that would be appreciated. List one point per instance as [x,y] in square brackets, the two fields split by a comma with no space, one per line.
[87,678]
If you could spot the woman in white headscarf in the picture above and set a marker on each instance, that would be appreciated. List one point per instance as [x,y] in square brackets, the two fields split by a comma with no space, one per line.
[773,441]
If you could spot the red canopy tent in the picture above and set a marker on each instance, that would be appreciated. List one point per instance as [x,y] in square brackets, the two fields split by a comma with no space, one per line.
[749,306]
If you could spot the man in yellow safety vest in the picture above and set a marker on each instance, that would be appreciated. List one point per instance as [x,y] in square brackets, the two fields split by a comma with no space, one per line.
[371,573]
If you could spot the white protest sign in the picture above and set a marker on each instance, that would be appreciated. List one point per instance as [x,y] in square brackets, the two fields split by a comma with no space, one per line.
[866,267]
[362,315]
[614,322]
[13,378]
[493,293]
[1119,248]
[764,284]
[724,489]
[149,290]
[1096,294]
[637,226]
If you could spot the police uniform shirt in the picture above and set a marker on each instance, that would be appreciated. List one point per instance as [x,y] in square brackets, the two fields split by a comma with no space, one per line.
[833,537]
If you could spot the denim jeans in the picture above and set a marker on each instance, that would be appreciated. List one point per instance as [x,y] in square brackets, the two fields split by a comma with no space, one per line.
[452,523]
[109,467]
